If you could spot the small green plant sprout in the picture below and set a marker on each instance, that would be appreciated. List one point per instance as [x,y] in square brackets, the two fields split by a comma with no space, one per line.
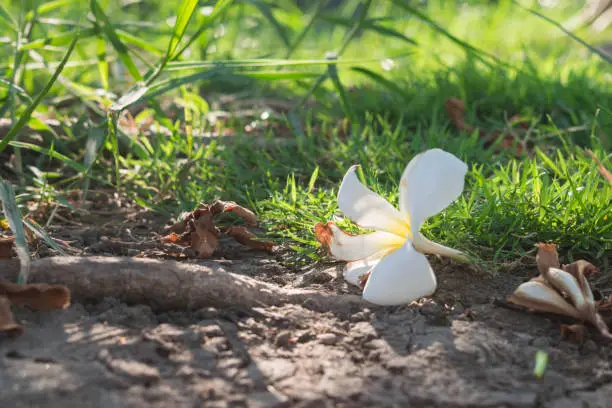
[541,361]
[389,263]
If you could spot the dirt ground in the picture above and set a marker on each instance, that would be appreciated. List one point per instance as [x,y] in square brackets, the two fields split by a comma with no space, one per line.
[463,348]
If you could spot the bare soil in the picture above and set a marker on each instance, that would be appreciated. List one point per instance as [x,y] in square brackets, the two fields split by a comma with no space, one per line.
[464,347]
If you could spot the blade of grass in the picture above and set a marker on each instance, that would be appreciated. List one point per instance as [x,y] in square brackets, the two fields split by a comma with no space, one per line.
[25,117]
[108,29]
[42,234]
[11,212]
[220,7]
[478,53]
[17,89]
[266,11]
[390,85]
[573,36]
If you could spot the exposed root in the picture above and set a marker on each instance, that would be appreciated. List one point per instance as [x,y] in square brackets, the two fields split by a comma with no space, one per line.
[172,285]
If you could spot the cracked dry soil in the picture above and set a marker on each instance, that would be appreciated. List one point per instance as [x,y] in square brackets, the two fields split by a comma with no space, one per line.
[458,349]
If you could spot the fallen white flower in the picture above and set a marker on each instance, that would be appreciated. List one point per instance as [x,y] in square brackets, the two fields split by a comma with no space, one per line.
[391,258]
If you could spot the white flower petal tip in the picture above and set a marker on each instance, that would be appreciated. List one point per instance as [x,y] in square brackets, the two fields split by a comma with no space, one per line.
[345,247]
[430,183]
[366,208]
[426,246]
[354,271]
[401,277]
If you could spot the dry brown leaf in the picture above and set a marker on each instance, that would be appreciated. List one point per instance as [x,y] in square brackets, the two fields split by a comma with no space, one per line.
[509,139]
[7,323]
[36,296]
[6,247]
[324,234]
[205,236]
[197,229]
[247,238]
[604,172]
[576,333]
[547,257]
[230,206]
[562,291]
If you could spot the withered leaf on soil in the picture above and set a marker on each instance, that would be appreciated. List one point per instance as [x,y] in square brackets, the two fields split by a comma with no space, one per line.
[198,230]
[575,333]
[7,323]
[230,206]
[6,247]
[204,235]
[508,139]
[247,238]
[36,296]
[323,234]
[563,291]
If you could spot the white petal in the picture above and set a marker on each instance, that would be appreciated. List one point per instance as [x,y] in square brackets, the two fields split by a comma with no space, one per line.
[432,180]
[401,277]
[367,209]
[354,270]
[346,247]
[426,246]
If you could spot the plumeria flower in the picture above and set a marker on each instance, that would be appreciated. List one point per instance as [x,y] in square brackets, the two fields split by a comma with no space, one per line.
[391,259]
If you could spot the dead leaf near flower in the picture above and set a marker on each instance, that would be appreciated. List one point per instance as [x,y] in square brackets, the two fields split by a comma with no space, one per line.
[508,139]
[562,290]
[6,247]
[36,296]
[247,238]
[7,322]
[198,231]
[575,333]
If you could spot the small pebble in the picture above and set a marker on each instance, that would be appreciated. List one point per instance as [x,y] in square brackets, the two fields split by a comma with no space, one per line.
[282,339]
[328,338]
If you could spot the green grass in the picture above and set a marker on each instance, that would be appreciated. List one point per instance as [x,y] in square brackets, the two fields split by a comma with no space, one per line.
[395,67]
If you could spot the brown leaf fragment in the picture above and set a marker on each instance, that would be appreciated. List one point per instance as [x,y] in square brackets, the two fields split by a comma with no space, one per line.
[547,257]
[581,268]
[181,225]
[455,109]
[205,236]
[36,296]
[7,323]
[247,238]
[574,333]
[230,206]
[604,172]
[324,234]
[6,247]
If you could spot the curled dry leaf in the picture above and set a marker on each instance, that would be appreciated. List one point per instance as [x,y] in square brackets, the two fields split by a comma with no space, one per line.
[562,291]
[230,206]
[205,236]
[6,247]
[576,333]
[547,257]
[509,138]
[7,323]
[323,234]
[247,238]
[197,229]
[36,296]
